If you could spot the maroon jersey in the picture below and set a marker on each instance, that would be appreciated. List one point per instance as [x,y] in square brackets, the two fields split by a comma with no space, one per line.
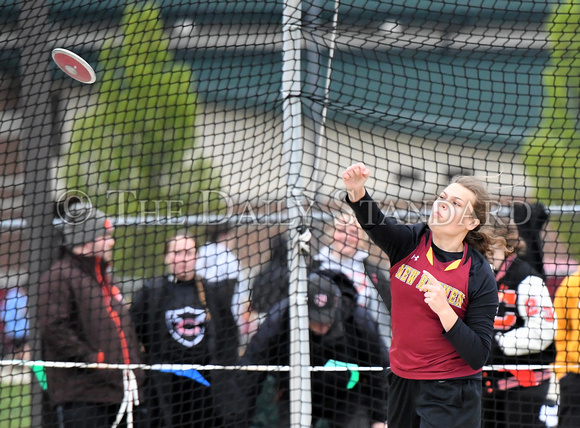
[420,351]
[421,348]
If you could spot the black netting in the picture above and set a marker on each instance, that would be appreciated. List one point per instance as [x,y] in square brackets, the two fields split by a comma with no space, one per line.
[177,229]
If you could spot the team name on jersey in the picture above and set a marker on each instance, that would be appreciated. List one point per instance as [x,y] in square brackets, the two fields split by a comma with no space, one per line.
[409,275]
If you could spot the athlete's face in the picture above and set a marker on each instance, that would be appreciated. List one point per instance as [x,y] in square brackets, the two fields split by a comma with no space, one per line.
[180,258]
[345,239]
[452,211]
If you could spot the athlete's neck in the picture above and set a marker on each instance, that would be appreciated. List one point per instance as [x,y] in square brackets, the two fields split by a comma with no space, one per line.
[451,244]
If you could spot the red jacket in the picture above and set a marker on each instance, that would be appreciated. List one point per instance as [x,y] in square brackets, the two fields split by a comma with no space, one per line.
[82,318]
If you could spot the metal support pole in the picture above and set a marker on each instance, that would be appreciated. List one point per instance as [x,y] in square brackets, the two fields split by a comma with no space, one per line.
[300,394]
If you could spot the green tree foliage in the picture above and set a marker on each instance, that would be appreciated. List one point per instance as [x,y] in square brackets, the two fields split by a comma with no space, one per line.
[553,154]
[129,150]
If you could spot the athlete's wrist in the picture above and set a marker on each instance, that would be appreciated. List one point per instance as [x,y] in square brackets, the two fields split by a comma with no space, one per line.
[355,195]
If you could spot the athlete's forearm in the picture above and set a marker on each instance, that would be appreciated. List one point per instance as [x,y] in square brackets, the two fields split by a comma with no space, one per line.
[448,318]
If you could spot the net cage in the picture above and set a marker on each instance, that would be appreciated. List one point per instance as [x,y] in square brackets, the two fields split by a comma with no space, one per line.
[176,244]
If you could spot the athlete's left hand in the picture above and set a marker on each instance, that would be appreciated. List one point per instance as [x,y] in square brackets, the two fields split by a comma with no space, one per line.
[436,298]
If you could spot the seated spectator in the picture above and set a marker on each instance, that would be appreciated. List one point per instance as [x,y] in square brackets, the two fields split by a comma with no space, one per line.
[340,331]
[180,320]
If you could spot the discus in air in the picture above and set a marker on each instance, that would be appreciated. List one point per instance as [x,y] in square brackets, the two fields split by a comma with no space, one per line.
[74,66]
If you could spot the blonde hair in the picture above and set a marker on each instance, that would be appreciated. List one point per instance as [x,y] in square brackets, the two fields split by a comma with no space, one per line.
[482,238]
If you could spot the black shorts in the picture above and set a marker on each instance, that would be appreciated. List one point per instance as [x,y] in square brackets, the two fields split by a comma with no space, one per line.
[451,403]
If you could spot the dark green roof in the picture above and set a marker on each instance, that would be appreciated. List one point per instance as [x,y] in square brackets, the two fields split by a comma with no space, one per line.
[489,95]
[458,11]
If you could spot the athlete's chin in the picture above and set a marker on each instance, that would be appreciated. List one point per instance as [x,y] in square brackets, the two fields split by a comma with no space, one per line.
[437,221]
[433,222]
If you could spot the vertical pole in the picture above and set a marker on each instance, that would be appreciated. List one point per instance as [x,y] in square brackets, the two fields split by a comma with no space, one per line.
[37,146]
[317,62]
[300,394]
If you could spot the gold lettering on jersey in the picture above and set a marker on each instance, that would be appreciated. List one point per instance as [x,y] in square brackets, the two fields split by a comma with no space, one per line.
[405,273]
[413,276]
[454,296]
[422,282]
[408,275]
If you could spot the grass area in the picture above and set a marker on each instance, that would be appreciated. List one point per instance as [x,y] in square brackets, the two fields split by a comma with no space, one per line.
[14,406]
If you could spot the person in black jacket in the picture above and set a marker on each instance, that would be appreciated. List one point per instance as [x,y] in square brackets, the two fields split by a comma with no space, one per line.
[180,320]
[340,331]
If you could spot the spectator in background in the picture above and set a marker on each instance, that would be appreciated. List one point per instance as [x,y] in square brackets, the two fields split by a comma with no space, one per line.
[524,326]
[14,329]
[255,296]
[565,387]
[345,254]
[271,284]
[340,331]
[14,318]
[530,220]
[215,261]
[220,269]
[82,317]
[180,320]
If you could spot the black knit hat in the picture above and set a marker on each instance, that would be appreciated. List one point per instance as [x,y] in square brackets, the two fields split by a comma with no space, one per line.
[324,299]
[82,223]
